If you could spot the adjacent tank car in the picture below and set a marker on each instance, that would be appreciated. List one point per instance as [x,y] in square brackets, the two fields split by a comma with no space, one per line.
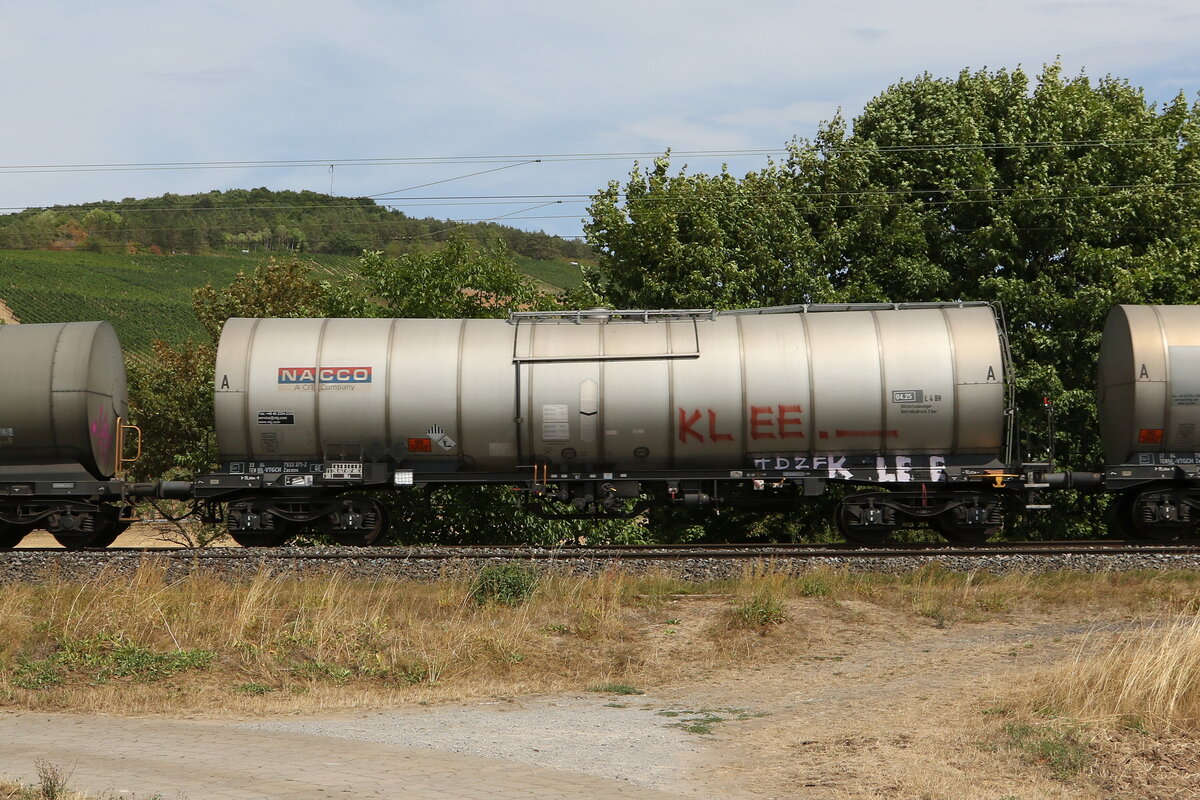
[592,408]
[1149,403]
[62,412]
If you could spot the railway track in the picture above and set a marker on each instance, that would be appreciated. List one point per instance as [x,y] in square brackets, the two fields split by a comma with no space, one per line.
[638,552]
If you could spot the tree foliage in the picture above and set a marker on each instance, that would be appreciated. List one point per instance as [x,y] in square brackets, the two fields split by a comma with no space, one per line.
[1057,198]
[458,281]
[171,400]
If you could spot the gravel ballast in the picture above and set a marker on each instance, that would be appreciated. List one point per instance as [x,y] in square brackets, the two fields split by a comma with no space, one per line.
[432,564]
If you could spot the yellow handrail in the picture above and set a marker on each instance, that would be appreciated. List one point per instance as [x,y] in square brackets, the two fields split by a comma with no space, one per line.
[121,460]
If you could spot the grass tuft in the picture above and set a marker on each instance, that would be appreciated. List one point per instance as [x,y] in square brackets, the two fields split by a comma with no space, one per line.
[507,584]
[101,658]
[1062,747]
[615,688]
[760,611]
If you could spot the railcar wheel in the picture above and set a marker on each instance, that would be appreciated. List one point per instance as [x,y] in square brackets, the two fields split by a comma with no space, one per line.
[106,527]
[251,525]
[73,541]
[961,533]
[271,538]
[1123,515]
[373,524]
[11,535]
[857,533]
[106,538]
[1159,516]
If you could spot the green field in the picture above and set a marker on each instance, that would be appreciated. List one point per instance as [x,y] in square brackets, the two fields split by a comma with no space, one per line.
[148,297]
[558,274]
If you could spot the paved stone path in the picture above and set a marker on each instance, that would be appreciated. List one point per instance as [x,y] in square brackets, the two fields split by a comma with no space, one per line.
[212,761]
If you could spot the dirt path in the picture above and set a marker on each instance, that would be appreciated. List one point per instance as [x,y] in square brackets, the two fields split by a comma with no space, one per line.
[882,704]
[883,708]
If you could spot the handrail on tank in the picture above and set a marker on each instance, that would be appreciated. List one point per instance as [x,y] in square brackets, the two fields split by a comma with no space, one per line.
[605,314]
[809,308]
[646,315]
[120,460]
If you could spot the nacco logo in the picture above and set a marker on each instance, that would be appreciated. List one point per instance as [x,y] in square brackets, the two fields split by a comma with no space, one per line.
[293,375]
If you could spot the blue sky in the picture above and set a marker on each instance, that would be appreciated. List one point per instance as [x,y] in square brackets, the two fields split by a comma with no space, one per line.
[121,83]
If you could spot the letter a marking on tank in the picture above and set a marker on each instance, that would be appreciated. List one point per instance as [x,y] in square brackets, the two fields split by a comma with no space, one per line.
[225,382]
[685,425]
[1144,375]
[991,376]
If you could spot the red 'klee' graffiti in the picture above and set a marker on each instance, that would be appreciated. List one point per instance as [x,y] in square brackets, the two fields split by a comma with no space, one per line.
[766,422]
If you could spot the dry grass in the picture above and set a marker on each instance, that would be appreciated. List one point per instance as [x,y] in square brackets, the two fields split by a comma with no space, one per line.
[1146,678]
[279,644]
[282,644]
[51,785]
[1122,713]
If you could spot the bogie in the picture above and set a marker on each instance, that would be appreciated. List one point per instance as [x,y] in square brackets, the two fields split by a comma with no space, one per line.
[1160,514]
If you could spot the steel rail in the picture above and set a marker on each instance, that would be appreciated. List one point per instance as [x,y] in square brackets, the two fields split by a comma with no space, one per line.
[641,552]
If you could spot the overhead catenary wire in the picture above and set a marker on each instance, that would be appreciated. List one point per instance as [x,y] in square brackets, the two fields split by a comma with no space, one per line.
[677,204]
[576,198]
[457,178]
[325,163]
[685,204]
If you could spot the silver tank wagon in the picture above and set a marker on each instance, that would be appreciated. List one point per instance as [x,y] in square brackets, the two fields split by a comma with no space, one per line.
[1149,406]
[657,392]
[62,395]
[587,406]
[62,402]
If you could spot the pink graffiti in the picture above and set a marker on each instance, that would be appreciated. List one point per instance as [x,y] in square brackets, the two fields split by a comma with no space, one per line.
[102,434]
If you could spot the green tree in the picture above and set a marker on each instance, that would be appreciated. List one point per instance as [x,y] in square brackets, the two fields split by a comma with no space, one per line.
[171,400]
[700,241]
[453,282]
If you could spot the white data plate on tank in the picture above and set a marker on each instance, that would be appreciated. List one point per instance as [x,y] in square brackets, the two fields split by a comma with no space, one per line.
[555,427]
[556,432]
[343,471]
[1184,364]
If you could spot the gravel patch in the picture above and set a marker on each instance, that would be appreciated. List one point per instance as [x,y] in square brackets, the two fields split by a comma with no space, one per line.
[634,743]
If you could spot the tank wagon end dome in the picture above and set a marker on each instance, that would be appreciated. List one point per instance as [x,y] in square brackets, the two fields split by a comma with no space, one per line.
[1148,380]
